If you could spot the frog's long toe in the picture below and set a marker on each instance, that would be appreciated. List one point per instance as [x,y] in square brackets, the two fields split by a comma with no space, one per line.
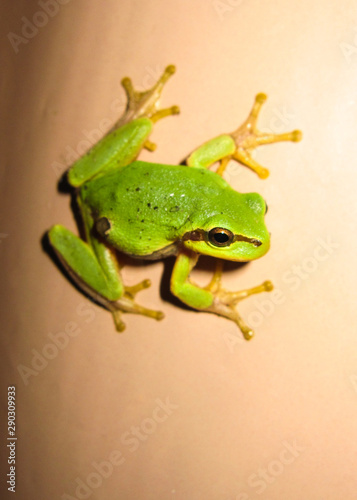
[225,302]
[127,303]
[247,138]
[131,291]
[119,324]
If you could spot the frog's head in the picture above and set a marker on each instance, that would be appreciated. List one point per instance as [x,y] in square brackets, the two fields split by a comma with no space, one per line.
[237,232]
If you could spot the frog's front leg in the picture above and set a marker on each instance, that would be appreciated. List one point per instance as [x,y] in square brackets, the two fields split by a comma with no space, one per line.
[212,298]
[238,145]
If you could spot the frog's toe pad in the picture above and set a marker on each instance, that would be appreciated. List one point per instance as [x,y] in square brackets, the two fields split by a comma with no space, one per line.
[119,324]
[131,291]
[247,332]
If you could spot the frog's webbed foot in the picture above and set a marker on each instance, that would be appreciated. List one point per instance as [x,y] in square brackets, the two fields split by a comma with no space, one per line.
[225,302]
[146,103]
[127,303]
[247,138]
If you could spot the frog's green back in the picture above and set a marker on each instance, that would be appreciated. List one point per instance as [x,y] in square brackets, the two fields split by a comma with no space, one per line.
[151,205]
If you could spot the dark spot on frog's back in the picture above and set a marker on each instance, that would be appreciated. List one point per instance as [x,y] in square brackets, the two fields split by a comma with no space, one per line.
[137,189]
[175,209]
[149,205]
[155,208]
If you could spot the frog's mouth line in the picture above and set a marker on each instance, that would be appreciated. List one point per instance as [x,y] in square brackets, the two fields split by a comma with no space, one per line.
[201,235]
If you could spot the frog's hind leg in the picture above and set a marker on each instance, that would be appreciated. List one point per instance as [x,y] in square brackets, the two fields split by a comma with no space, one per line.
[146,103]
[94,268]
[130,134]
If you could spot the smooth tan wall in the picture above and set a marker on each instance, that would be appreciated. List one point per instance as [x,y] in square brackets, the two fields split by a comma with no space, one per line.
[184,408]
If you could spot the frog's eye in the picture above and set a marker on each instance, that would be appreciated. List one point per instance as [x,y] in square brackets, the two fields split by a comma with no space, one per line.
[220,237]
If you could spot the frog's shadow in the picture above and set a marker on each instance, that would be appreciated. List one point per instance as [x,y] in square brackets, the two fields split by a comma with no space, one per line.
[205,263]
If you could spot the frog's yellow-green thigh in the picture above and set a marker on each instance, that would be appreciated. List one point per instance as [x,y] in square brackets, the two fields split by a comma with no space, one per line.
[118,148]
[130,134]
[211,151]
[80,258]
[81,261]
[94,268]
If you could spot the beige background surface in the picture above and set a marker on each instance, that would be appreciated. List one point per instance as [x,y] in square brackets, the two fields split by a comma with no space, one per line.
[184,408]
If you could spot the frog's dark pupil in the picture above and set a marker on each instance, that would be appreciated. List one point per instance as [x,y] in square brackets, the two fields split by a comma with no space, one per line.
[221,237]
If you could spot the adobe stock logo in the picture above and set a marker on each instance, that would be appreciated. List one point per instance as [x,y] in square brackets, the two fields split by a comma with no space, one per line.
[58,342]
[349,49]
[264,476]
[133,438]
[260,480]
[224,7]
[30,28]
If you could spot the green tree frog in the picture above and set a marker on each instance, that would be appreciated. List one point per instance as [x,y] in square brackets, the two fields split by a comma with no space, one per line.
[151,211]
